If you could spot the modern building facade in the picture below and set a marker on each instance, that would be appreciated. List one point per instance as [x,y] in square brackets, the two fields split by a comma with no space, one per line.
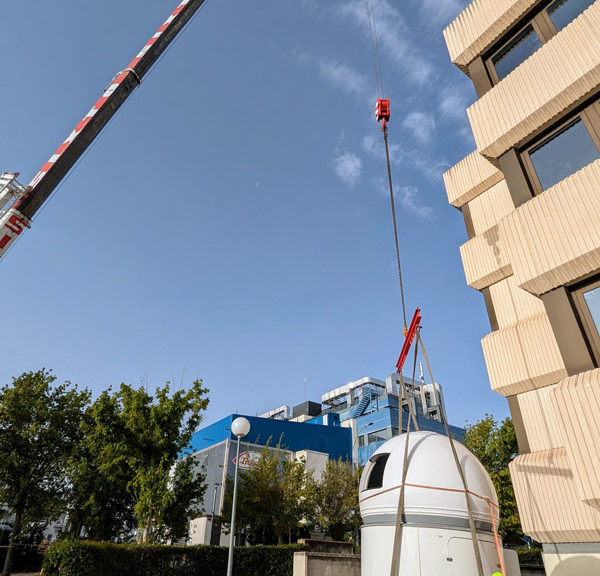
[530,197]
[350,422]
[315,440]
[376,410]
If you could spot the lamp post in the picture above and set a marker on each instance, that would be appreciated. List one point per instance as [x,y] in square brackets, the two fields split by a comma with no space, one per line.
[240,428]
[356,439]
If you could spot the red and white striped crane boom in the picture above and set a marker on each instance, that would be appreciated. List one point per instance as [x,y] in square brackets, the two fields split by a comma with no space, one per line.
[31,198]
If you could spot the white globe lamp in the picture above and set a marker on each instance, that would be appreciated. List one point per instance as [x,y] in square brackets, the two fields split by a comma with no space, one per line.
[239,428]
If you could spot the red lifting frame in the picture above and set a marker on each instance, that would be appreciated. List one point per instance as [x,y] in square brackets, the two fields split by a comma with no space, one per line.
[408,339]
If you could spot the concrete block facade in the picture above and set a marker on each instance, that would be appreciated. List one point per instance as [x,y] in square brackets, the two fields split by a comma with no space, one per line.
[530,197]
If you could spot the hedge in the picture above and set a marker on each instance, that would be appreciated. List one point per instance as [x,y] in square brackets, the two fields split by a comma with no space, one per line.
[530,557]
[85,558]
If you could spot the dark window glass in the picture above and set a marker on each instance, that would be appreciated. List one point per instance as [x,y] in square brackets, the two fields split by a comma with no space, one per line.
[516,51]
[562,12]
[563,153]
[376,475]
[380,435]
[592,299]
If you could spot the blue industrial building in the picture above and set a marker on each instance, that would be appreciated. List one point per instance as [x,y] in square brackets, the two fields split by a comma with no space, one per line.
[320,434]
[380,420]
[378,410]
[350,422]
[316,438]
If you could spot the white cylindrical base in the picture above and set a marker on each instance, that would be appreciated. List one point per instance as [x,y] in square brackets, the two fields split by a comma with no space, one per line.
[426,552]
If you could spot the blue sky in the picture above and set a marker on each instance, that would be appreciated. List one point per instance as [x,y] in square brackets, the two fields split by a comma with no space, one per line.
[232,222]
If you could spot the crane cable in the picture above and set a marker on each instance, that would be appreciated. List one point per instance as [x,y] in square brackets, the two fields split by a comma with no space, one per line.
[375,47]
[395,222]
[383,115]
[461,473]
[400,520]
[379,83]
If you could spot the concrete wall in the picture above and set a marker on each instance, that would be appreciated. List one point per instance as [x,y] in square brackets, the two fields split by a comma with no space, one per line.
[326,564]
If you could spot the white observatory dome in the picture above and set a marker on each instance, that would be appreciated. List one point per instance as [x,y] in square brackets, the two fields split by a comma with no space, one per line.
[434,493]
[435,538]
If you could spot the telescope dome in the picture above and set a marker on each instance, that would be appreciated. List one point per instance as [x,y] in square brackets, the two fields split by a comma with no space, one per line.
[434,493]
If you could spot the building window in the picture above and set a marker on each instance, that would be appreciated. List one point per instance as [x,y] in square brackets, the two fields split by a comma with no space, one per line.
[376,476]
[565,150]
[380,435]
[587,304]
[562,12]
[515,51]
[549,19]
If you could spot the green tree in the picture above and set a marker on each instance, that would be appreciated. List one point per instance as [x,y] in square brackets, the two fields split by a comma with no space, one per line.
[335,499]
[495,446]
[130,469]
[39,429]
[101,501]
[187,492]
[296,483]
[272,498]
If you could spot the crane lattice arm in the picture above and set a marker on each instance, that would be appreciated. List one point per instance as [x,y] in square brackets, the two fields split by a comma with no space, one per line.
[20,214]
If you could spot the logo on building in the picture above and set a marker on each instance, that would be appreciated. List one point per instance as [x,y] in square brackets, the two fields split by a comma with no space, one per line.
[248,460]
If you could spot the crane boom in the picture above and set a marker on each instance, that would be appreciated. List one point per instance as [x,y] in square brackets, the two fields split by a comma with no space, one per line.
[20,214]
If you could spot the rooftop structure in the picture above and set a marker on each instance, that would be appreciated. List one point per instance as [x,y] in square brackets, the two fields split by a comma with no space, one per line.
[374,410]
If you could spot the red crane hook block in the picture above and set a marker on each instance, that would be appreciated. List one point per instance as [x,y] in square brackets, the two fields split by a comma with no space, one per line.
[382,111]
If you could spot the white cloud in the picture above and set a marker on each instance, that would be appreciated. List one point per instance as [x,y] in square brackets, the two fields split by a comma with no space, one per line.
[373,145]
[394,36]
[411,202]
[401,156]
[441,11]
[302,57]
[454,100]
[348,167]
[421,125]
[344,77]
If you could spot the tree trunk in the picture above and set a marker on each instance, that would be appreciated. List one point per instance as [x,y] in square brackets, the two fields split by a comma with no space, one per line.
[15,534]
[145,532]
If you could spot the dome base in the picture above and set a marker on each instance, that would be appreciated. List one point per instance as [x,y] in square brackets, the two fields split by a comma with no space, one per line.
[429,551]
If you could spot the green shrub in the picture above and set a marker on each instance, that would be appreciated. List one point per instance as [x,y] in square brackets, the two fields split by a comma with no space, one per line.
[84,558]
[530,557]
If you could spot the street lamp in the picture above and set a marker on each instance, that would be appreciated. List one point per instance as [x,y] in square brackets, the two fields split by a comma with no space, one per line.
[240,428]
[358,435]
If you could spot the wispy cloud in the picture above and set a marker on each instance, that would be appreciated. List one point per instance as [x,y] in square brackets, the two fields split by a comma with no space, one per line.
[311,6]
[432,169]
[302,57]
[454,100]
[373,145]
[348,167]
[393,34]
[344,77]
[410,200]
[421,125]
[442,11]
